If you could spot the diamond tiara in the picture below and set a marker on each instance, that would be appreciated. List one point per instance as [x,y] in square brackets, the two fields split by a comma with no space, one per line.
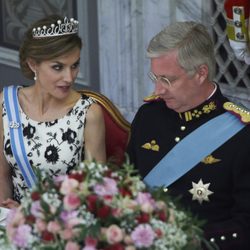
[66,27]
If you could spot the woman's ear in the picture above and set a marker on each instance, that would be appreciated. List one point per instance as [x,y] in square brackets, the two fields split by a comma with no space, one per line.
[32,64]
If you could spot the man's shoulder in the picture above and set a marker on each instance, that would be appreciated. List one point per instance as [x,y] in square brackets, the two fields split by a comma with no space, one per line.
[153,107]
[242,113]
[151,98]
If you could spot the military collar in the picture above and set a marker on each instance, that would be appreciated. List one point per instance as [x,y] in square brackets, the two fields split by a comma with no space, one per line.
[211,105]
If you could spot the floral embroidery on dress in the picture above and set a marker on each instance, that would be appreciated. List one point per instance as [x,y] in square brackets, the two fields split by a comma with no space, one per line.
[56,146]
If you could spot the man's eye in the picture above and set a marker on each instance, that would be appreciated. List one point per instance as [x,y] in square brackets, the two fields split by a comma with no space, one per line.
[165,80]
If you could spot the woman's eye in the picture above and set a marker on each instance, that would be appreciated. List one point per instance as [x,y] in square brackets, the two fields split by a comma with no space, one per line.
[57,67]
[76,65]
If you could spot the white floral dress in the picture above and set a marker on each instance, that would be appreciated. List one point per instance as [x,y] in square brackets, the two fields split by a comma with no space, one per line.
[56,146]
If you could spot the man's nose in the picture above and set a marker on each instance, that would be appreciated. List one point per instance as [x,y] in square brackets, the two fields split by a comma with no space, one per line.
[159,89]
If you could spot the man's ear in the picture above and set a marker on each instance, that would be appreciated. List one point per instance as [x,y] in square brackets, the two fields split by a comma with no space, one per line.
[202,73]
[32,64]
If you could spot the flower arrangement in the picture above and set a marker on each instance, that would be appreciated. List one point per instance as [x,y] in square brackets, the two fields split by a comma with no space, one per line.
[97,207]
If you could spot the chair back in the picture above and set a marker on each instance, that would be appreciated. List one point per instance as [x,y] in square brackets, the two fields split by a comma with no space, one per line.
[117,128]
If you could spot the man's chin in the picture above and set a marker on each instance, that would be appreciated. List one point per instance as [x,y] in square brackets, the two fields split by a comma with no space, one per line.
[172,106]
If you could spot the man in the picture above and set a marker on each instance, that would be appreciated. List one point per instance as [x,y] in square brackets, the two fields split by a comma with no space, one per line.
[190,140]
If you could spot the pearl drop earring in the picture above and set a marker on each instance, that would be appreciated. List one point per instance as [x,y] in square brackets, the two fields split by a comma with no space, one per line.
[35,76]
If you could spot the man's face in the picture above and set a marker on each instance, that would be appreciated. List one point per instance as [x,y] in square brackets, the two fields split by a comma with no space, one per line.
[181,94]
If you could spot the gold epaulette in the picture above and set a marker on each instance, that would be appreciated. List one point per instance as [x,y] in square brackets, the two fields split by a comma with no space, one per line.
[151,98]
[242,113]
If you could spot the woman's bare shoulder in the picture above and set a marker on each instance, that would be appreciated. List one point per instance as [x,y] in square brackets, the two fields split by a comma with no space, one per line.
[95,112]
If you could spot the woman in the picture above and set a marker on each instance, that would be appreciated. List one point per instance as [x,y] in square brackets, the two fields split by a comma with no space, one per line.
[58,124]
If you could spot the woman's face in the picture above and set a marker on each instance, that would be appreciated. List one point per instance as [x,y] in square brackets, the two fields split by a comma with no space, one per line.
[56,76]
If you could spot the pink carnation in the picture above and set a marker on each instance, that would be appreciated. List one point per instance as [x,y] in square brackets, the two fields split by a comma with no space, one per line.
[14,219]
[143,198]
[36,209]
[108,187]
[143,235]
[22,235]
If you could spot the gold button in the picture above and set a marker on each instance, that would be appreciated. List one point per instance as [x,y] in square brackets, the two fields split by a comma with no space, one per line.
[222,237]
[183,128]
[234,235]
[177,139]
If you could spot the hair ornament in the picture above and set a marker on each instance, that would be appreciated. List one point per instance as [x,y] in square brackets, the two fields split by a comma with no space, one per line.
[67,27]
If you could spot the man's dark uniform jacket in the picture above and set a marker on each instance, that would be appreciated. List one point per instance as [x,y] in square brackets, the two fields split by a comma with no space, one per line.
[156,130]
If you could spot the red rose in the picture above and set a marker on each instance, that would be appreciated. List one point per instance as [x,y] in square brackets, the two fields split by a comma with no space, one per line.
[91,202]
[108,173]
[108,198]
[30,219]
[143,218]
[47,236]
[162,215]
[103,212]
[35,196]
[158,232]
[117,246]
[125,192]
[77,176]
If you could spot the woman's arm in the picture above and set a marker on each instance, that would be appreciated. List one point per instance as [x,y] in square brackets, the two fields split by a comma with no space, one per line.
[94,135]
[5,173]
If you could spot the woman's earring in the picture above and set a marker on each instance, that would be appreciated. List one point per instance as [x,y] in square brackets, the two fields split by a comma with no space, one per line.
[35,76]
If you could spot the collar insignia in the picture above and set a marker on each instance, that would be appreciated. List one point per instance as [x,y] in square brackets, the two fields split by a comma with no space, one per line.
[242,113]
[200,191]
[198,112]
[210,160]
[151,146]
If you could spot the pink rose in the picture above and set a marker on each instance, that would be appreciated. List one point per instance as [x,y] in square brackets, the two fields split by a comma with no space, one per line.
[54,227]
[41,225]
[72,246]
[68,186]
[67,234]
[71,201]
[90,243]
[114,234]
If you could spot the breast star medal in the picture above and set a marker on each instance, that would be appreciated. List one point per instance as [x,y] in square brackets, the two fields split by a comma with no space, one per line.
[200,191]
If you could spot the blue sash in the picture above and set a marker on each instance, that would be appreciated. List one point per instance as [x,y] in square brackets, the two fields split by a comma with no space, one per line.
[16,135]
[192,149]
